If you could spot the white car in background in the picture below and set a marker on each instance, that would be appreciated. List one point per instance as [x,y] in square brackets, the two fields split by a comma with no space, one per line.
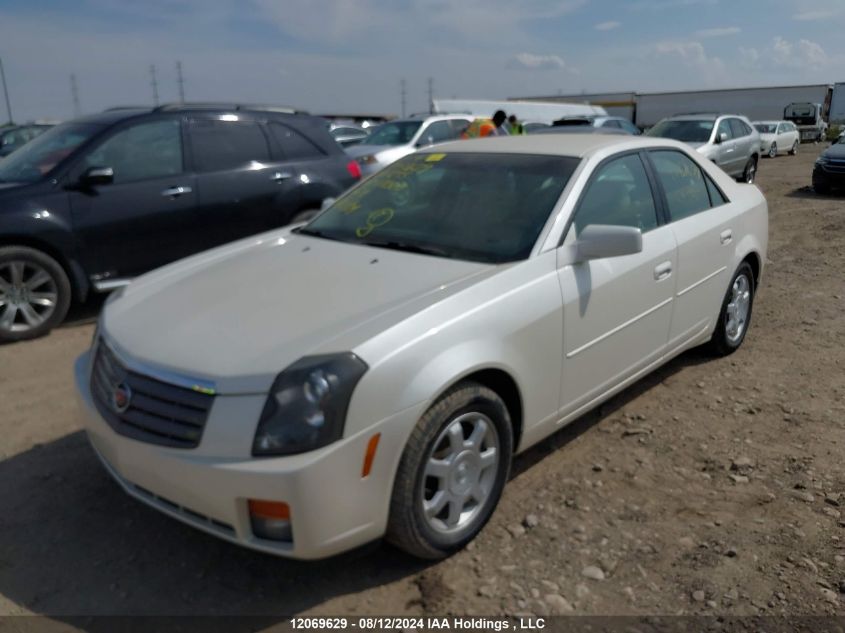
[393,140]
[373,372]
[778,137]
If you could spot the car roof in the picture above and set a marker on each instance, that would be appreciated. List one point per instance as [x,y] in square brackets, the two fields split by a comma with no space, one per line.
[575,145]
[769,122]
[121,113]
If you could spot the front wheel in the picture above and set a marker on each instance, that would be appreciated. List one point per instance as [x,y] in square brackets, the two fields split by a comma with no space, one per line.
[735,315]
[773,150]
[794,149]
[452,473]
[34,293]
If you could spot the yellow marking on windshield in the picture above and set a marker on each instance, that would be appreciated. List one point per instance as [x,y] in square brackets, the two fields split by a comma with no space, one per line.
[433,158]
[375,219]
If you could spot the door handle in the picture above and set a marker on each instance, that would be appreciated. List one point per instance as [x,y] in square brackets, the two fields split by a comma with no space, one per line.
[726,236]
[279,176]
[175,192]
[662,271]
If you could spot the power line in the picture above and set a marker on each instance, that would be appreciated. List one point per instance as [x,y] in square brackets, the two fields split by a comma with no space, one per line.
[154,83]
[5,91]
[402,93]
[180,82]
[74,93]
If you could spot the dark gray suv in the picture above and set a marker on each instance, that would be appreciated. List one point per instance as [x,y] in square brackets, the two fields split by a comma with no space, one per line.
[94,202]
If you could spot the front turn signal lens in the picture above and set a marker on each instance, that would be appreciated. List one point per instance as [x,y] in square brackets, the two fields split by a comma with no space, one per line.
[370,455]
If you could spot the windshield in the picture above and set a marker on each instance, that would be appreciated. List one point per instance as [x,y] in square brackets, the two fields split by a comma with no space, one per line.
[766,128]
[683,130]
[35,159]
[394,133]
[481,207]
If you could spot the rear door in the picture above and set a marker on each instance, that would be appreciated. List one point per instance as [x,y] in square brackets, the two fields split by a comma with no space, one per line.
[744,140]
[241,188]
[147,216]
[702,221]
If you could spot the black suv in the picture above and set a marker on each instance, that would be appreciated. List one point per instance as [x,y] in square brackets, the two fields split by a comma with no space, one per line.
[94,202]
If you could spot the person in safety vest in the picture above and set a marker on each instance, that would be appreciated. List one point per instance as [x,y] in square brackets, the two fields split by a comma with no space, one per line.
[514,126]
[481,128]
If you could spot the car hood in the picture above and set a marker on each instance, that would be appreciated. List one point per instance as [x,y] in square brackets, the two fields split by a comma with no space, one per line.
[239,315]
[837,150]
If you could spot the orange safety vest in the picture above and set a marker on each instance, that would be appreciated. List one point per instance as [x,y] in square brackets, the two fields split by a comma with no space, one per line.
[479,128]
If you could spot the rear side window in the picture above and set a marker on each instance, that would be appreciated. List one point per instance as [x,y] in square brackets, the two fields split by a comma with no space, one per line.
[619,194]
[717,198]
[683,182]
[141,152]
[459,126]
[295,146]
[221,145]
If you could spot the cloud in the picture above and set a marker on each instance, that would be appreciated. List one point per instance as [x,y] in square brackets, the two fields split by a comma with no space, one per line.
[812,16]
[530,61]
[719,32]
[802,54]
[607,26]
[693,55]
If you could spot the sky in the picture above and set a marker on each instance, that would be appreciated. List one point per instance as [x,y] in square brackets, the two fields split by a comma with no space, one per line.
[349,56]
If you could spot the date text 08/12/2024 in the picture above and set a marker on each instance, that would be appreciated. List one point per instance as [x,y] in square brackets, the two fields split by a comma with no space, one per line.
[419,623]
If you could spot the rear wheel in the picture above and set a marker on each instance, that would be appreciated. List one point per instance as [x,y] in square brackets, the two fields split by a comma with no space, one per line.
[34,293]
[821,187]
[773,150]
[750,171]
[452,473]
[735,316]
[794,149]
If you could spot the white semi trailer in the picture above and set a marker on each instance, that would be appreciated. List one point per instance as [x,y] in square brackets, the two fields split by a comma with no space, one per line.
[526,111]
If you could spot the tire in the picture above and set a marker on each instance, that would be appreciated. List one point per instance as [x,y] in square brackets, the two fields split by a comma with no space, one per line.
[726,339]
[773,150]
[438,533]
[794,150]
[35,293]
[750,171]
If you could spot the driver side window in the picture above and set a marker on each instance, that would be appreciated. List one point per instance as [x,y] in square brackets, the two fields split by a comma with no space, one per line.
[618,194]
[141,152]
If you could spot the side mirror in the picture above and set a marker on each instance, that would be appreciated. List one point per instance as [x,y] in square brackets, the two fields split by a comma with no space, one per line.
[598,241]
[97,176]
[425,142]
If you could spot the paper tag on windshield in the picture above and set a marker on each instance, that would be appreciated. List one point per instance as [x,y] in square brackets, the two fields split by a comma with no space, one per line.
[433,158]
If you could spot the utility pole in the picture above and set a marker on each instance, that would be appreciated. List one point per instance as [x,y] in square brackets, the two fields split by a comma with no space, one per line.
[430,95]
[154,83]
[402,93]
[74,93]
[5,91]
[180,82]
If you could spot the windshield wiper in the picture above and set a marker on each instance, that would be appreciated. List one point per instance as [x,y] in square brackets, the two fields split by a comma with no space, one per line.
[408,247]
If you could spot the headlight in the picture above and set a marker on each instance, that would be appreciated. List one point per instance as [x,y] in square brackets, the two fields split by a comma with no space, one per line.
[306,408]
[821,160]
[369,159]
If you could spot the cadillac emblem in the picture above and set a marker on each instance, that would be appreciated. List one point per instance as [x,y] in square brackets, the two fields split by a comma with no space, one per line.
[121,397]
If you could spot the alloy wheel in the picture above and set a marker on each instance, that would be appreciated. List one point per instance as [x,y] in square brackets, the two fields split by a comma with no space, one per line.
[460,472]
[28,295]
[738,309]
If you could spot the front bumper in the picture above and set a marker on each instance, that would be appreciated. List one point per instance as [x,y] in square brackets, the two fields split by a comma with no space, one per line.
[830,175]
[333,508]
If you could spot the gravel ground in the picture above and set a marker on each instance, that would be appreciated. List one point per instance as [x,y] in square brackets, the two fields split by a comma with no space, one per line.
[710,487]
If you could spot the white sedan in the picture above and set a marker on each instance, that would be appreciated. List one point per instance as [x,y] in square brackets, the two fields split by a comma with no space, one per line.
[373,373]
[778,137]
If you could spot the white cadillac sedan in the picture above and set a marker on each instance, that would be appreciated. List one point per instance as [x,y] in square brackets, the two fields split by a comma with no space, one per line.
[373,373]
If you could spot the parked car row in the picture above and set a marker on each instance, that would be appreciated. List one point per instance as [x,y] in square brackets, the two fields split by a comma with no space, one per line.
[93,203]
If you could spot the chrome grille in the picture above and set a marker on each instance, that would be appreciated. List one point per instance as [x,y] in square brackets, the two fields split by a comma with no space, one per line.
[154,411]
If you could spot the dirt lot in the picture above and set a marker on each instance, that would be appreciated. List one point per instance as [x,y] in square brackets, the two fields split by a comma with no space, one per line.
[713,486]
